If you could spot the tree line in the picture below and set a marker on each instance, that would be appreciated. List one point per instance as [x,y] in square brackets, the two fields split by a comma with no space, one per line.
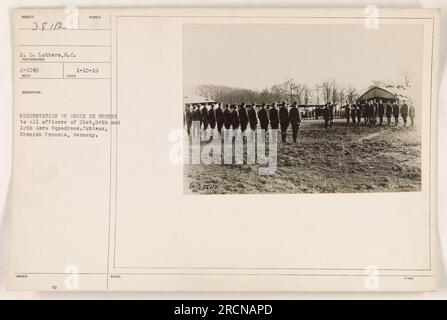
[289,91]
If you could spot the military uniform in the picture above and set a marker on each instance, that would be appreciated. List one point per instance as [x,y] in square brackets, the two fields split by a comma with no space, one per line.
[274,120]
[359,114]
[380,112]
[353,113]
[188,120]
[365,113]
[227,118]
[295,121]
[396,113]
[204,114]
[235,119]
[412,114]
[347,113]
[219,118]
[197,121]
[243,118]
[284,121]
[212,118]
[373,113]
[252,119]
[331,114]
[326,116]
[404,113]
[388,112]
[263,118]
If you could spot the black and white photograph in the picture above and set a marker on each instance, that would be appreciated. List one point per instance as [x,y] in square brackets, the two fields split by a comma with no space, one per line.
[302,108]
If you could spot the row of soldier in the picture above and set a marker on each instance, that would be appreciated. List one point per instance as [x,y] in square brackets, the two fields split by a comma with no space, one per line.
[372,110]
[233,116]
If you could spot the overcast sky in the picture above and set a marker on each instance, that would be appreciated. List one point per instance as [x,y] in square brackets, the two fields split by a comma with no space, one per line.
[258,56]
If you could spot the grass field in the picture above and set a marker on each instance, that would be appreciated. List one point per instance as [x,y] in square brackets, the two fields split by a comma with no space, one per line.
[341,159]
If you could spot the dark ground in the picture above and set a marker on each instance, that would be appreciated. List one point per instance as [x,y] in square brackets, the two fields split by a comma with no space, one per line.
[341,159]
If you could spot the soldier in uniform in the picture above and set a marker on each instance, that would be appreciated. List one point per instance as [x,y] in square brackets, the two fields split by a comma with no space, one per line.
[243,117]
[365,112]
[374,112]
[347,113]
[234,118]
[353,113]
[412,114]
[404,113]
[331,114]
[204,115]
[212,116]
[219,118]
[295,120]
[263,118]
[188,118]
[380,111]
[197,120]
[273,116]
[388,112]
[359,113]
[326,115]
[284,120]
[252,119]
[227,117]
[396,113]
[369,112]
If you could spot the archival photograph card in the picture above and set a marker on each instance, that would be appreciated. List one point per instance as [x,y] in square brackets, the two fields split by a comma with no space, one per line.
[224,150]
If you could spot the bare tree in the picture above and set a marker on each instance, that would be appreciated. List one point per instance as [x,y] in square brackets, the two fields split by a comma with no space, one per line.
[307,94]
[351,94]
[300,90]
[326,88]
[318,91]
[290,87]
[334,93]
[341,95]
[278,92]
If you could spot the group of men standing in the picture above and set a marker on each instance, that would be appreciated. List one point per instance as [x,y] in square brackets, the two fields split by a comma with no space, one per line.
[240,116]
[372,109]
[215,115]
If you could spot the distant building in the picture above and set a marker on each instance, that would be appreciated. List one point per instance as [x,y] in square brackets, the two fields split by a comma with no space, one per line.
[378,93]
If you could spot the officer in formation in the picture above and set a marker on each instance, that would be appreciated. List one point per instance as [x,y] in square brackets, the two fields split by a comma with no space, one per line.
[187,119]
[353,110]
[372,109]
[263,117]
[328,115]
[295,120]
[284,120]
[243,117]
[372,113]
[273,117]
[388,112]
[347,113]
[219,117]
[380,111]
[252,119]
[227,117]
[396,110]
[201,116]
[404,113]
[233,116]
[204,116]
